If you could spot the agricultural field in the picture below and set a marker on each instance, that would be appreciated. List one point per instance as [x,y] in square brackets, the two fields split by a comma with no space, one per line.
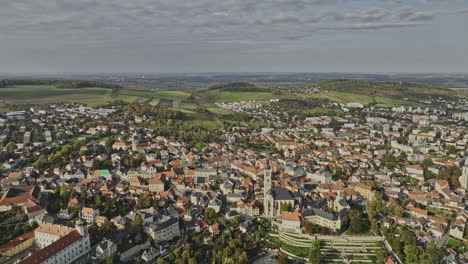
[342,91]
[216,96]
[342,97]
[39,94]
[170,95]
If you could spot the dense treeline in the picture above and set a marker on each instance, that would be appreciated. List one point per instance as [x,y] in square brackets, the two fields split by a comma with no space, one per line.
[13,223]
[60,84]
[238,87]
[306,107]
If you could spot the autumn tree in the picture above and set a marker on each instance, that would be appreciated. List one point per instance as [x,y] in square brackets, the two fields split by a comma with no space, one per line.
[356,222]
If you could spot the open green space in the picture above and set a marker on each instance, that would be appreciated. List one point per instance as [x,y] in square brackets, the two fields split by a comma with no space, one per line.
[440,213]
[231,96]
[458,245]
[170,95]
[383,94]
[42,94]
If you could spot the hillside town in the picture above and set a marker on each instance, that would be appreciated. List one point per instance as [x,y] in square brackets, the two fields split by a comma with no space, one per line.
[104,185]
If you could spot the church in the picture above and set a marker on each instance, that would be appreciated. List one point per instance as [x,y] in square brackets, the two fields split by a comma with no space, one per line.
[275,197]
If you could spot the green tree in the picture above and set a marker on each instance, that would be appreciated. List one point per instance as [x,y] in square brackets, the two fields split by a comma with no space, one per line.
[11,146]
[380,256]
[136,226]
[355,221]
[210,214]
[314,254]
[432,255]
[412,253]
[146,200]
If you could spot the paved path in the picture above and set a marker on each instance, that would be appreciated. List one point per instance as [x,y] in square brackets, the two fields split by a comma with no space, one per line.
[268,259]
[442,241]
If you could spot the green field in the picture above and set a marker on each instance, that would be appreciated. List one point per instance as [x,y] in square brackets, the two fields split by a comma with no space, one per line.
[342,91]
[341,97]
[43,94]
[169,95]
[216,96]
[40,94]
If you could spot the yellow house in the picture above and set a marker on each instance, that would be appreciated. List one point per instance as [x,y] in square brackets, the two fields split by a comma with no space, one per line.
[364,190]
[17,245]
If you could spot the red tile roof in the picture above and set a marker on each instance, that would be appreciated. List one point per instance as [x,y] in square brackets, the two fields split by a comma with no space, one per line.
[20,195]
[16,241]
[52,249]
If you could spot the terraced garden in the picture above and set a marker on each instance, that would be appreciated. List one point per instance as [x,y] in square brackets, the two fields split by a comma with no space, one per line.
[333,249]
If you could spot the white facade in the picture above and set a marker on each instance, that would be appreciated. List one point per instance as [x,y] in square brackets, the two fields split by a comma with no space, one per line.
[46,234]
[106,249]
[464,177]
[167,229]
[286,224]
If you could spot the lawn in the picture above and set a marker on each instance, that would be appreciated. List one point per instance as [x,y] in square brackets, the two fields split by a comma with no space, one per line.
[154,102]
[350,233]
[456,244]
[172,95]
[220,111]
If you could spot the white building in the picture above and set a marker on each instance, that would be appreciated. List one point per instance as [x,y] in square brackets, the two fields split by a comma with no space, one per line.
[354,105]
[319,176]
[89,214]
[292,222]
[166,229]
[46,234]
[67,249]
[106,249]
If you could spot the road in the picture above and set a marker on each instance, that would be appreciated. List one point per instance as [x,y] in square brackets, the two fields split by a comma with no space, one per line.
[442,241]
[268,259]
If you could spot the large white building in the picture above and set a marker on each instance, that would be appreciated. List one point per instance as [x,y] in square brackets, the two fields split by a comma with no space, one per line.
[166,229]
[46,234]
[73,245]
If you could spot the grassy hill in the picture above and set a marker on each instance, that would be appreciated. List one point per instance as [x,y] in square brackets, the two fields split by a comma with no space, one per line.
[385,89]
[385,94]
[232,92]
[55,91]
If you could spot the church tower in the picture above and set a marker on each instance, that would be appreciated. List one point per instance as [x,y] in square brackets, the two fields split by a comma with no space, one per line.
[464,177]
[81,226]
[268,202]
[134,142]
[267,178]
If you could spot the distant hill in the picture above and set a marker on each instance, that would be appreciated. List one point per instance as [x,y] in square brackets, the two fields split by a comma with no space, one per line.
[383,89]
[59,84]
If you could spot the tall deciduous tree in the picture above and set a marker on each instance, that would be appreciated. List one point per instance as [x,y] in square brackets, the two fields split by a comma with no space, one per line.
[356,222]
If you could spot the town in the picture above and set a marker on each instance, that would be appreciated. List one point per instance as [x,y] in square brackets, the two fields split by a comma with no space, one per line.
[352,183]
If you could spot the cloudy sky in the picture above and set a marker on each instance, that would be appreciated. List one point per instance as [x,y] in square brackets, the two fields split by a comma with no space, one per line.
[233,36]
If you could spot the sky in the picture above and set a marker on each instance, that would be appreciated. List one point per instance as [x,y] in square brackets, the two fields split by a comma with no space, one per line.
[45,36]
